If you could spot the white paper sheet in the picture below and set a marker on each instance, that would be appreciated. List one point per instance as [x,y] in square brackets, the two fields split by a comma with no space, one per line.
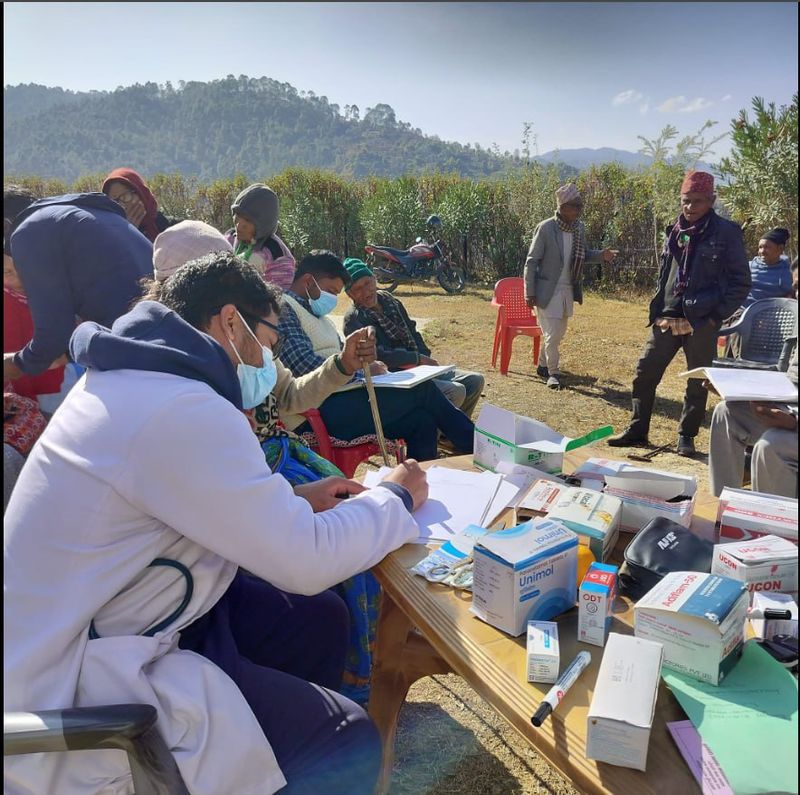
[740,384]
[405,379]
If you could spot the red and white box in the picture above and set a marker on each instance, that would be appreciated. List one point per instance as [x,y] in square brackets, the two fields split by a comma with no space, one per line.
[596,603]
[768,563]
[744,515]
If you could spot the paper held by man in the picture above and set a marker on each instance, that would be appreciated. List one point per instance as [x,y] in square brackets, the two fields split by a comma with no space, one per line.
[405,379]
[741,384]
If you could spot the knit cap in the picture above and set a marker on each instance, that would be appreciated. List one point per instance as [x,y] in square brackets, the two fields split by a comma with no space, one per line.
[183,242]
[259,204]
[567,193]
[357,269]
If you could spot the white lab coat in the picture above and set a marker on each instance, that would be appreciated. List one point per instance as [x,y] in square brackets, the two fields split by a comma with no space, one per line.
[137,465]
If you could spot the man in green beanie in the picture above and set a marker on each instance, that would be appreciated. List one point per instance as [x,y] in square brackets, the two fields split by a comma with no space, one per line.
[399,343]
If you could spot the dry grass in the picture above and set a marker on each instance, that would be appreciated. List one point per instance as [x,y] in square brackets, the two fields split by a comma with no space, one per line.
[449,741]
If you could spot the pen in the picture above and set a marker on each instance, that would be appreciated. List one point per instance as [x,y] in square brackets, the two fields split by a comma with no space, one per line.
[563,683]
[769,613]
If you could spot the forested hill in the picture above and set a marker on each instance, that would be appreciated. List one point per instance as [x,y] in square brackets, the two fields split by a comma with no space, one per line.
[254,126]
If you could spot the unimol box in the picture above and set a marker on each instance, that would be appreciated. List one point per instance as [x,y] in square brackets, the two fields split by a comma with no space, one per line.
[699,619]
[767,629]
[596,603]
[624,702]
[594,516]
[746,514]
[768,563]
[524,573]
[544,656]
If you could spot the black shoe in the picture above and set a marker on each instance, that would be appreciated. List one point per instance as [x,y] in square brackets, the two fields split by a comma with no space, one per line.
[627,439]
[542,372]
[685,446]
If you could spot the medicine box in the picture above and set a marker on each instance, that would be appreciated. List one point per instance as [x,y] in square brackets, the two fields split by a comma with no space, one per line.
[594,516]
[596,603]
[768,563]
[743,514]
[624,701]
[544,656]
[699,618]
[502,435]
[524,573]
[768,629]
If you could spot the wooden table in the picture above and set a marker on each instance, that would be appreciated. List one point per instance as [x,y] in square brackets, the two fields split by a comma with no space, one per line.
[427,628]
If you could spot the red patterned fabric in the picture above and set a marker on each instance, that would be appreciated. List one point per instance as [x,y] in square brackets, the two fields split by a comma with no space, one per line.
[697,182]
[23,423]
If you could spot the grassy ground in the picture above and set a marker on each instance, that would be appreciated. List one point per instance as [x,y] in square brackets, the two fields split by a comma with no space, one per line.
[449,741]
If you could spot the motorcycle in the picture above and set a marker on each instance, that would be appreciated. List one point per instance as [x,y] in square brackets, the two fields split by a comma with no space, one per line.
[394,266]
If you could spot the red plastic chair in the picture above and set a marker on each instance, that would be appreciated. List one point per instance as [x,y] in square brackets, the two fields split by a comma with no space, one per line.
[514,317]
[345,455]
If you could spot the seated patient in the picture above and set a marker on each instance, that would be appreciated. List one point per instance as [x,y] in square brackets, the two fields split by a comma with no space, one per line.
[150,461]
[399,342]
[309,337]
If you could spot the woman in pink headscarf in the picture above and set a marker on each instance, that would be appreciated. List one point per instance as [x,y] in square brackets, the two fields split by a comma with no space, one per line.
[128,189]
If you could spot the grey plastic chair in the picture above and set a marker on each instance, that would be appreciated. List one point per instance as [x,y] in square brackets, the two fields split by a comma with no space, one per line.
[129,727]
[763,328]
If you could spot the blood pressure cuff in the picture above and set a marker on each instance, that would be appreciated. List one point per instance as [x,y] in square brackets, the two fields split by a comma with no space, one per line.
[660,547]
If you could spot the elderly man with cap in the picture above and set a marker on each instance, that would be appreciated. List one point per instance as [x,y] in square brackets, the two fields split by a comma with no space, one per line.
[704,277]
[399,343]
[255,216]
[553,274]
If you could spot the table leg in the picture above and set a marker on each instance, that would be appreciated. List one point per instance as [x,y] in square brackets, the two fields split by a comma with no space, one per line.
[401,657]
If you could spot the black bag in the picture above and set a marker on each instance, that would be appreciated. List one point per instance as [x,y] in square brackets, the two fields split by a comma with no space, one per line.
[660,547]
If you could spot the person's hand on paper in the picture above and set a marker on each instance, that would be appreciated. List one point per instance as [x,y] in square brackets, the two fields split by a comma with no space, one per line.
[428,360]
[325,494]
[411,476]
[710,387]
[359,348]
[775,416]
[378,368]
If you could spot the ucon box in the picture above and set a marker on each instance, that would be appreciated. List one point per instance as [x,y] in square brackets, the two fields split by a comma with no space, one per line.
[594,516]
[596,603]
[624,702]
[544,656]
[768,563]
[699,618]
[524,573]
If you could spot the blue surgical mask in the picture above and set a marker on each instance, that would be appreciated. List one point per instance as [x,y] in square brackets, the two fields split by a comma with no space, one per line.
[256,382]
[324,304]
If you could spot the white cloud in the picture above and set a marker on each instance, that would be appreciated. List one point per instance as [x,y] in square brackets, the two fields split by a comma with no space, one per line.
[681,104]
[726,98]
[626,97]
[644,107]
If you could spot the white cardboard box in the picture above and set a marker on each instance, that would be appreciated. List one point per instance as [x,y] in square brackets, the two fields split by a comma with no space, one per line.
[699,618]
[750,514]
[594,516]
[768,629]
[544,655]
[645,493]
[596,603]
[524,573]
[624,702]
[768,563]
[501,435]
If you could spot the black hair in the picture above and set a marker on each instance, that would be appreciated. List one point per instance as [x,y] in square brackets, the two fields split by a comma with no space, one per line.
[321,262]
[15,200]
[201,287]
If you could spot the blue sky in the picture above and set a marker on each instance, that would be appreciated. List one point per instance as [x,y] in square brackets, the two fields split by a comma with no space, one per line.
[585,74]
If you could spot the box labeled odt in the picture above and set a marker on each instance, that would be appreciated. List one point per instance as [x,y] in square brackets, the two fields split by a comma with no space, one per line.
[524,573]
[768,563]
[501,435]
[699,619]
[594,516]
[624,702]
[596,603]
[544,655]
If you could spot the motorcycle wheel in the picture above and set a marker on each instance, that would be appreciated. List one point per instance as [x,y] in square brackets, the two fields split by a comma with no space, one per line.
[451,278]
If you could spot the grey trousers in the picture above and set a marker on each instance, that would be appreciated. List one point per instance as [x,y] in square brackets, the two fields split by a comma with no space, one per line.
[734,426]
[699,349]
[463,389]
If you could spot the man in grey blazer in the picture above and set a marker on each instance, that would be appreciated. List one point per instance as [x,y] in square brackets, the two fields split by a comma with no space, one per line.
[553,274]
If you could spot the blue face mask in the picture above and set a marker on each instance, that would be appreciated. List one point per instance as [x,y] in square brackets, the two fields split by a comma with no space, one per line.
[256,382]
[324,304]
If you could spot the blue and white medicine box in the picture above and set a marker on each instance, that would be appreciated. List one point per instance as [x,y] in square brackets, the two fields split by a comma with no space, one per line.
[524,573]
[699,618]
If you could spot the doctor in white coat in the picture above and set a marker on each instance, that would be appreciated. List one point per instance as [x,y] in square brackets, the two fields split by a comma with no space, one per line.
[149,480]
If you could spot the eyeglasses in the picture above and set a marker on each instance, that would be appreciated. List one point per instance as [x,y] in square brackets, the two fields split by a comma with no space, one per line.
[278,344]
[126,198]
